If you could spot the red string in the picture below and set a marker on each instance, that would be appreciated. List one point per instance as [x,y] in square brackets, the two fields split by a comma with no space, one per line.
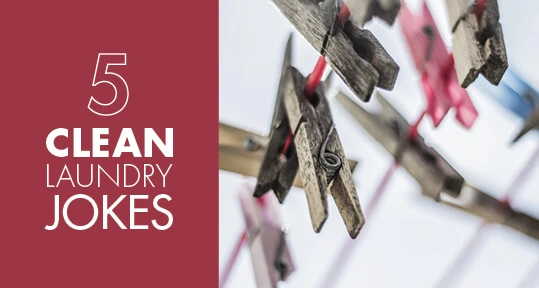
[343,16]
[530,280]
[346,249]
[314,79]
[460,263]
[412,132]
[451,276]
[511,192]
[480,7]
[234,255]
[232,259]
[287,142]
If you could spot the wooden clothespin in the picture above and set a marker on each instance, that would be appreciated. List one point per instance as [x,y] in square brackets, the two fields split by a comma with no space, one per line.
[478,42]
[516,95]
[272,261]
[436,66]
[353,53]
[481,204]
[433,173]
[363,11]
[315,151]
[242,152]
[438,180]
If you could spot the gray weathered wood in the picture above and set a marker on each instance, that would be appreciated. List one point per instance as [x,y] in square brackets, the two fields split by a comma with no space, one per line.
[430,170]
[349,63]
[483,205]
[236,158]
[496,57]
[478,44]
[277,172]
[343,190]
[467,52]
[311,123]
[308,139]
[368,47]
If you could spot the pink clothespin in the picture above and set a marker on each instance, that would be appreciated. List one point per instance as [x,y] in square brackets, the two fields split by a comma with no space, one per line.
[271,258]
[436,65]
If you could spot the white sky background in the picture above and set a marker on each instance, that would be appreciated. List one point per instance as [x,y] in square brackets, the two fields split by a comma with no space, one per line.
[410,240]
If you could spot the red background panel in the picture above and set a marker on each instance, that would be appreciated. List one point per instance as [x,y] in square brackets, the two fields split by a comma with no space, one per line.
[47,61]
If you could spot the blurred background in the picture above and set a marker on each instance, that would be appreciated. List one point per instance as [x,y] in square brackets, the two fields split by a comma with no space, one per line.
[410,240]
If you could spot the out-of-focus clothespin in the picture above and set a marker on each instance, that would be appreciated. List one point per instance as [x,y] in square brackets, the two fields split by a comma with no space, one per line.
[481,204]
[478,42]
[270,255]
[242,152]
[438,180]
[353,53]
[513,93]
[363,11]
[516,95]
[314,150]
[436,66]
[422,162]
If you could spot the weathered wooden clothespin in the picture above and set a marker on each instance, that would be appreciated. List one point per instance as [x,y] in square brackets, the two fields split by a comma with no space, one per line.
[270,255]
[478,42]
[481,204]
[242,152]
[438,180]
[433,173]
[353,53]
[436,66]
[314,150]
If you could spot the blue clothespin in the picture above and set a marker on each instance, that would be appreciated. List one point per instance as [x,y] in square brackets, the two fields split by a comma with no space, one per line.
[516,95]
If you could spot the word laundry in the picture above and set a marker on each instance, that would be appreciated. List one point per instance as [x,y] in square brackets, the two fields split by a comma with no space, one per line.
[120,175]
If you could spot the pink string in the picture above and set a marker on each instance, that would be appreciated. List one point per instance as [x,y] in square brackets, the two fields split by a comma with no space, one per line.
[530,280]
[232,259]
[451,276]
[347,248]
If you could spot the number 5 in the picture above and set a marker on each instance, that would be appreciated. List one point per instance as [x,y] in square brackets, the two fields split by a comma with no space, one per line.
[102,75]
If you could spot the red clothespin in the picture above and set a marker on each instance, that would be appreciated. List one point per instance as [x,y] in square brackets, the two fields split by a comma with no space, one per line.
[436,65]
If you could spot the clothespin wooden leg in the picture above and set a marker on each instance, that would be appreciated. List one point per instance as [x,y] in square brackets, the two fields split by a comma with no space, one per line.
[308,140]
[344,192]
